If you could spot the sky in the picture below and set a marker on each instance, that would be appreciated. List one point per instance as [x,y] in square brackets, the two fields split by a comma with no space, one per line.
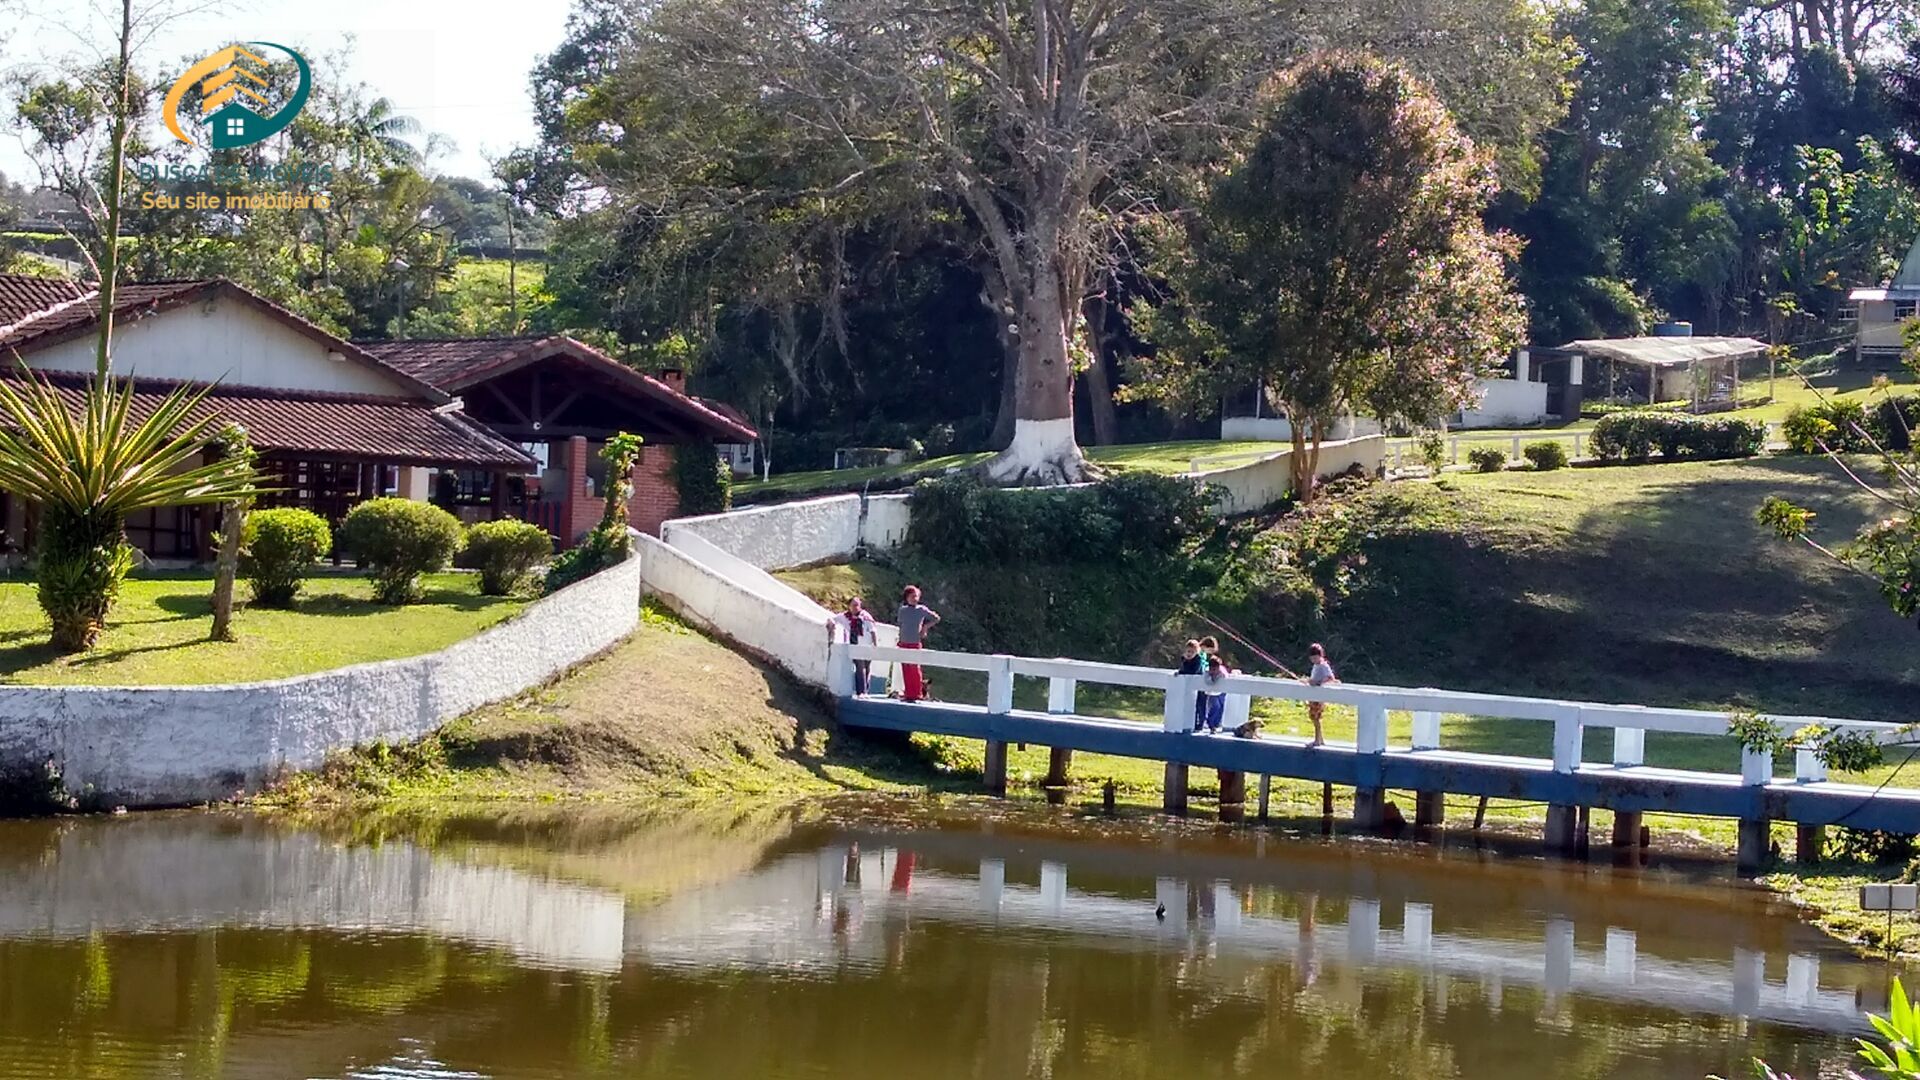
[458,68]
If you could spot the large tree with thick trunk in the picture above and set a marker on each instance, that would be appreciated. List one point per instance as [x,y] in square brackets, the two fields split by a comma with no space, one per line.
[1032,136]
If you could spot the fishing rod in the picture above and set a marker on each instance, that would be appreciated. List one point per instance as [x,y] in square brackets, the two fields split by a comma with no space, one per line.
[1236,635]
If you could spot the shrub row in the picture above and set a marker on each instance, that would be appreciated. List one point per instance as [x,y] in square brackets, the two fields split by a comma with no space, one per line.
[1126,517]
[398,539]
[1634,436]
[1851,427]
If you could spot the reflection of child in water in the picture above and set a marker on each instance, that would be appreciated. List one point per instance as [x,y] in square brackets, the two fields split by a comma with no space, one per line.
[1307,967]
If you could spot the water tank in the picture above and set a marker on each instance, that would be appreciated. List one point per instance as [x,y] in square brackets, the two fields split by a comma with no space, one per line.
[1673,329]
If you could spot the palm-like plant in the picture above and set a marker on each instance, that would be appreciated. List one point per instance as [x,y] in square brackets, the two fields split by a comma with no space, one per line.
[91,467]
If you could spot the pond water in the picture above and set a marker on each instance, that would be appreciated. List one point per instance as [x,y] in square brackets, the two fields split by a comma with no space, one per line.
[879,938]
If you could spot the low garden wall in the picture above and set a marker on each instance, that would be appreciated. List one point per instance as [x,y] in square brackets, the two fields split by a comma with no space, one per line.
[805,533]
[173,745]
[1263,483]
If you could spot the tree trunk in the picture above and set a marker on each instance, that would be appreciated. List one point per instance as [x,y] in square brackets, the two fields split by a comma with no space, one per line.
[83,560]
[1099,388]
[1003,416]
[1043,450]
[233,520]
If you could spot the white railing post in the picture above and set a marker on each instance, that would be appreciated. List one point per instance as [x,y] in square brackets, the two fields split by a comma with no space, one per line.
[1000,684]
[1756,766]
[1371,736]
[1426,731]
[839,670]
[1567,733]
[1238,710]
[1516,448]
[1178,715]
[1807,766]
[1629,746]
[1060,695]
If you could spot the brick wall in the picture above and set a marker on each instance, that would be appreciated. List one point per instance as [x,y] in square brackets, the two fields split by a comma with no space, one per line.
[655,499]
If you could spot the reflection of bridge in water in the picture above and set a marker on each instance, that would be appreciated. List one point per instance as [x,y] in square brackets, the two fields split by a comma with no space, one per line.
[847,904]
[183,874]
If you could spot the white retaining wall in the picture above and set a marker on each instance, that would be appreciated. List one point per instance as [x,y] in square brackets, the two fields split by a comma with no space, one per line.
[169,745]
[1506,403]
[805,533]
[1265,482]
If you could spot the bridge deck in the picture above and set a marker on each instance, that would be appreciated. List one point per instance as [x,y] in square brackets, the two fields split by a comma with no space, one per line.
[1613,787]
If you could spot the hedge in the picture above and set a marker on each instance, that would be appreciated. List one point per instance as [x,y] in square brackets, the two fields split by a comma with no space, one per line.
[1129,517]
[1634,436]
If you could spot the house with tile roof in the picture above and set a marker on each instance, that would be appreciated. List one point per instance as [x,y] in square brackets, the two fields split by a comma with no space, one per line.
[338,422]
[561,399]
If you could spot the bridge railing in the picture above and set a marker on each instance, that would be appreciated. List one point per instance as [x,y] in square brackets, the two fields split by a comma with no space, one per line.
[1570,719]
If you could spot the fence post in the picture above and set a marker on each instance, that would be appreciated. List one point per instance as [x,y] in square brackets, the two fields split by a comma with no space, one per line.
[1629,746]
[1567,733]
[1059,758]
[1426,731]
[1756,770]
[1516,448]
[1370,737]
[839,670]
[1561,828]
[999,703]
[1177,716]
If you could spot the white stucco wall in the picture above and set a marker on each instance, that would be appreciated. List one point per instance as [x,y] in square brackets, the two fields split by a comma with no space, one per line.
[739,608]
[1506,403]
[1265,482]
[805,533]
[222,339]
[157,746]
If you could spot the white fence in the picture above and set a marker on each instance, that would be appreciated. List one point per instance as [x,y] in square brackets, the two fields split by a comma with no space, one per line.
[1404,452]
[1570,719]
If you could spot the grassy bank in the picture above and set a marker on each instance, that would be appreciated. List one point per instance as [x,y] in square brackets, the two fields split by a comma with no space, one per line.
[157,634]
[668,713]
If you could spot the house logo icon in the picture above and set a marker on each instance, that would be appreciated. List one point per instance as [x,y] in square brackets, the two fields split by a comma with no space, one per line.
[231,83]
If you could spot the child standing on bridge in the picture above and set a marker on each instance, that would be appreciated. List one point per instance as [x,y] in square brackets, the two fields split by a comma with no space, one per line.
[1193,661]
[915,619]
[1320,675]
[855,627]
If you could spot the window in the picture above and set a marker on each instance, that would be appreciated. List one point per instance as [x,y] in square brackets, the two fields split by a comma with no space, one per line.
[1903,309]
[236,125]
[1848,313]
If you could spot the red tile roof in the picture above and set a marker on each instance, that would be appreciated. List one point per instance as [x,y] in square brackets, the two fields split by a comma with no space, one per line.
[22,296]
[318,424]
[456,364]
[68,315]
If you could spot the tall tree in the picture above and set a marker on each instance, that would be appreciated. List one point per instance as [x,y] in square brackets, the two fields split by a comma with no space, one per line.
[1341,262]
[1039,127]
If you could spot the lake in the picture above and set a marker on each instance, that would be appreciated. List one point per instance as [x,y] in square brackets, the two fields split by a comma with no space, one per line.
[880,938]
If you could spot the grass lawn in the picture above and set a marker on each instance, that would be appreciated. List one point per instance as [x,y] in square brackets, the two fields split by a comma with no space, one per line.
[157,634]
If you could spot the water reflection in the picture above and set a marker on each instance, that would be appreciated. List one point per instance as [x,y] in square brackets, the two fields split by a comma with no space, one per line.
[570,945]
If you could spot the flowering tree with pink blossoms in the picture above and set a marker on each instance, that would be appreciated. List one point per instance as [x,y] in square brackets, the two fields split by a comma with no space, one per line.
[1340,262]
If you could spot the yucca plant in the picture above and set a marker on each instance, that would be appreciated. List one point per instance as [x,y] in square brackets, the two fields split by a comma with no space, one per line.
[91,467]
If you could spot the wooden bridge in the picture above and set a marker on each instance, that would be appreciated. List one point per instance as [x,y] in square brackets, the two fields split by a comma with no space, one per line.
[1753,795]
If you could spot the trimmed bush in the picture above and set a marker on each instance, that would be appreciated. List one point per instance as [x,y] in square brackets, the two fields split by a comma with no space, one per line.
[1840,425]
[506,553]
[1895,421]
[1545,455]
[1432,448]
[400,539]
[1633,437]
[277,548]
[703,482]
[1487,458]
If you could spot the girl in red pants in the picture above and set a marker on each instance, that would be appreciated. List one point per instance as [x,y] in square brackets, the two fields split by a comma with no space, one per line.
[914,619]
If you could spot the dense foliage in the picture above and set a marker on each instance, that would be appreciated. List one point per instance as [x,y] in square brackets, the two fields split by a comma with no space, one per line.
[1635,436]
[399,540]
[506,552]
[1341,263]
[1134,517]
[277,548]
[703,481]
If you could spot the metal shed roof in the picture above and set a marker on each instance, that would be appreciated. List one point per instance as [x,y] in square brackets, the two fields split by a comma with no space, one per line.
[1663,352]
